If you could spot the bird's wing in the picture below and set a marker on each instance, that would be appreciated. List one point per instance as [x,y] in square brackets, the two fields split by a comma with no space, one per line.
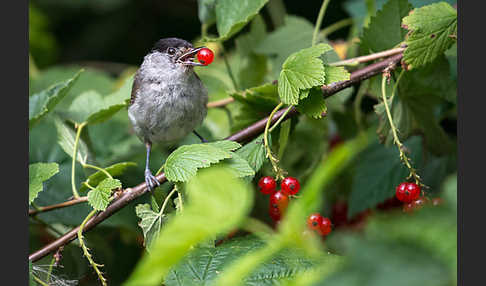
[135,86]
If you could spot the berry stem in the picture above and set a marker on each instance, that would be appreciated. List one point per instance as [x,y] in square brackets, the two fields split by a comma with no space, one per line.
[322,11]
[273,160]
[403,157]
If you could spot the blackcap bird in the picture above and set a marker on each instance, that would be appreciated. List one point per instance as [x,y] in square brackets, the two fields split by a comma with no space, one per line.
[168,99]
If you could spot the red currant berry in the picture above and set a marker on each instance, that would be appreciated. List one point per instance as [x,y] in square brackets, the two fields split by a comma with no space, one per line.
[280,201]
[415,205]
[407,192]
[205,56]
[290,186]
[267,185]
[274,213]
[325,227]
[314,221]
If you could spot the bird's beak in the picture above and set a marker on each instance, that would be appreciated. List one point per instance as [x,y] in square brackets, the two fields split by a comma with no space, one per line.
[187,58]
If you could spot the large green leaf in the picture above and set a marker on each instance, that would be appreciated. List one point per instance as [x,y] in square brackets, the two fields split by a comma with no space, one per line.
[114,170]
[150,224]
[216,203]
[378,172]
[38,173]
[313,105]
[433,29]
[302,70]
[66,137]
[203,265]
[40,104]
[384,30]
[100,196]
[92,107]
[183,163]
[294,35]
[232,16]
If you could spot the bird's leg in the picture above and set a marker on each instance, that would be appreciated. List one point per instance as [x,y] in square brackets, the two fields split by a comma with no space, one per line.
[150,180]
[200,137]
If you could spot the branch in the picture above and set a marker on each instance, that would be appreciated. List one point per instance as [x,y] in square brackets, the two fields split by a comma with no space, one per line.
[221,102]
[129,194]
[368,58]
[58,206]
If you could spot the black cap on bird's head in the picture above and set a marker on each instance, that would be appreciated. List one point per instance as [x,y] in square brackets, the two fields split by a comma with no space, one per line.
[179,50]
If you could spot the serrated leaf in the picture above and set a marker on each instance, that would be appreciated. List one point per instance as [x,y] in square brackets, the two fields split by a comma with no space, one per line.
[92,107]
[40,104]
[294,35]
[313,105]
[335,74]
[433,29]
[384,30]
[238,166]
[150,224]
[226,145]
[99,198]
[204,264]
[216,203]
[302,70]
[66,138]
[378,172]
[38,173]
[232,16]
[183,163]
[114,170]
[254,153]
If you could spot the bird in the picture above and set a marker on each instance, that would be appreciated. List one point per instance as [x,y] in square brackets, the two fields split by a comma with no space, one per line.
[168,100]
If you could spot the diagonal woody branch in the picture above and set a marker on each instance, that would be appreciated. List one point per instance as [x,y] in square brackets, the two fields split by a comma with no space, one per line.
[129,194]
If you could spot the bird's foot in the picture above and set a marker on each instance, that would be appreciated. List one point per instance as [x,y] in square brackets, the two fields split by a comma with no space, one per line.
[151,181]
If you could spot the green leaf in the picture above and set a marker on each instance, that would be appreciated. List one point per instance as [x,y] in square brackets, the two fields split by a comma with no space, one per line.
[114,170]
[99,198]
[246,43]
[433,29]
[182,164]
[40,104]
[302,70]
[203,265]
[66,138]
[38,173]
[232,16]
[238,165]
[335,74]
[216,203]
[92,107]
[450,191]
[150,224]
[293,36]
[314,104]
[254,153]
[384,30]
[206,11]
[378,172]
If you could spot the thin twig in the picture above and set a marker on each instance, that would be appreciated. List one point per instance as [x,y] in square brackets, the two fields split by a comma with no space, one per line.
[130,194]
[75,154]
[58,206]
[322,11]
[221,102]
[367,58]
[335,26]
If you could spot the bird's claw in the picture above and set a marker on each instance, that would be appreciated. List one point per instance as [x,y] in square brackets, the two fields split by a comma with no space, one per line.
[151,181]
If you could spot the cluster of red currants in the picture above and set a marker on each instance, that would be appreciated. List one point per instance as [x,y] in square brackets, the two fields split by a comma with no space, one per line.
[279,199]
[410,195]
[320,224]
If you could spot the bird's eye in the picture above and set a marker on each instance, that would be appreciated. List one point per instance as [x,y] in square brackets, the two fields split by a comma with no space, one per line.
[171,51]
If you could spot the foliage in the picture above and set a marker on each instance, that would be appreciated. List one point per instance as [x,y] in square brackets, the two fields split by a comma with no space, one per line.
[208,224]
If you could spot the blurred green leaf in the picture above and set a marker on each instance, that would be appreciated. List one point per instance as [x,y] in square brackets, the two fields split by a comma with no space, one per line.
[378,172]
[232,16]
[301,70]
[38,173]
[114,170]
[450,191]
[40,104]
[150,224]
[217,202]
[66,138]
[384,30]
[99,197]
[433,28]
[31,275]
[294,35]
[206,11]
[182,164]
